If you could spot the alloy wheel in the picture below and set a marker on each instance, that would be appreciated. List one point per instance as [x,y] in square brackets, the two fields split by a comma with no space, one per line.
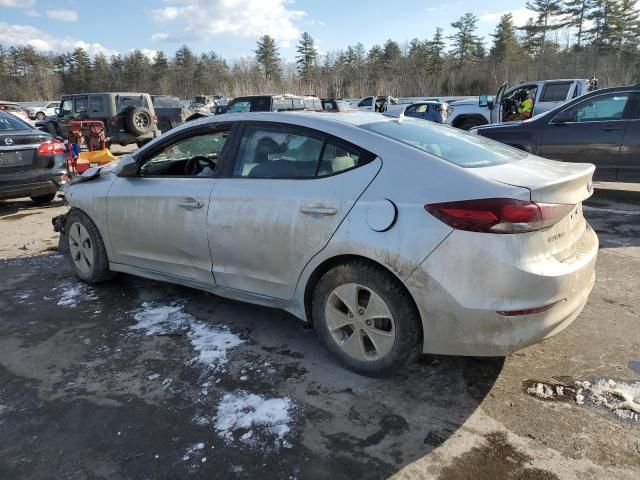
[360,322]
[81,248]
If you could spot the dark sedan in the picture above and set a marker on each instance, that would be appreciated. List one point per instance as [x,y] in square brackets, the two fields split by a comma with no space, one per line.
[32,163]
[601,127]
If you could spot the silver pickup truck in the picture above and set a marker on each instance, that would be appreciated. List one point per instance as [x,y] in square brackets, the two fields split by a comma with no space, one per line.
[547,94]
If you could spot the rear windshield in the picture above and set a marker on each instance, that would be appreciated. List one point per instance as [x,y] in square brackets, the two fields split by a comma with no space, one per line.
[10,108]
[9,123]
[166,102]
[126,101]
[450,144]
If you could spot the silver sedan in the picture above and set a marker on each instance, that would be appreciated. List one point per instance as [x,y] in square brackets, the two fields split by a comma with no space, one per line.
[392,236]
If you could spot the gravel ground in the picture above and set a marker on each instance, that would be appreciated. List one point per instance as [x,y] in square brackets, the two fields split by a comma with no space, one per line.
[138,379]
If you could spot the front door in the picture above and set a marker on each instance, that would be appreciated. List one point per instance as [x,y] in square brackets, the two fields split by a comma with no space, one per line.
[590,132]
[629,162]
[289,191]
[158,219]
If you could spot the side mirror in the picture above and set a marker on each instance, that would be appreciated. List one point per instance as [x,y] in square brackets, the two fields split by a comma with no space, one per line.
[127,167]
[563,117]
[58,111]
[483,101]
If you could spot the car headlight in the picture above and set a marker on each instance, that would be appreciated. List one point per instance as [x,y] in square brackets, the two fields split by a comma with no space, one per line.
[473,131]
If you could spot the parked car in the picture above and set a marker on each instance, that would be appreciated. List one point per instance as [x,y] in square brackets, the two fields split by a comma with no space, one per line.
[391,236]
[547,94]
[265,103]
[376,103]
[40,110]
[425,110]
[601,127]
[14,109]
[169,111]
[129,117]
[336,105]
[32,163]
[312,103]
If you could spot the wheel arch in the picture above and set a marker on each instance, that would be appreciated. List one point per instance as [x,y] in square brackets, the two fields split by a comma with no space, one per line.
[331,262]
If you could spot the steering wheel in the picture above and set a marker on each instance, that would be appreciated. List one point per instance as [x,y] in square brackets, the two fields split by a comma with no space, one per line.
[196,164]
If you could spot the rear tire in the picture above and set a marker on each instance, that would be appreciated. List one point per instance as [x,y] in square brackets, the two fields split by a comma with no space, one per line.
[43,199]
[87,253]
[40,116]
[366,318]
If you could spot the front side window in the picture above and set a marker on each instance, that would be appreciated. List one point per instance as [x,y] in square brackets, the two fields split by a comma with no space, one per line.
[366,102]
[450,144]
[67,106]
[601,108]
[196,156]
[80,104]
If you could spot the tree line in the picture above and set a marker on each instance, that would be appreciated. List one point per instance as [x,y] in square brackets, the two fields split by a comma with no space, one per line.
[563,39]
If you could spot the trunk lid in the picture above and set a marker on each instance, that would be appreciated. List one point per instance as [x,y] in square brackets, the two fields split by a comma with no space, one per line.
[18,151]
[548,181]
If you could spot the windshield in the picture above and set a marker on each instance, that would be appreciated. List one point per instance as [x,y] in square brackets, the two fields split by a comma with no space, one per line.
[449,143]
[9,123]
[166,102]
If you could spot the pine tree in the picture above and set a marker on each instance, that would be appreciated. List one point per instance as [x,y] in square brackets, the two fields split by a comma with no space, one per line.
[160,72]
[101,72]
[307,56]
[631,22]
[608,25]
[436,52]
[80,71]
[505,42]
[576,13]
[268,57]
[465,41]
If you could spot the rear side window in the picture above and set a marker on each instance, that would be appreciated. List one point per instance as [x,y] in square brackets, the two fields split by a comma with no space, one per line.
[450,144]
[235,107]
[555,92]
[272,151]
[96,104]
[365,103]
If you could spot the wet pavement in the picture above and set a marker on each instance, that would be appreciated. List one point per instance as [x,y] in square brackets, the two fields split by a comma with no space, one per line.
[138,379]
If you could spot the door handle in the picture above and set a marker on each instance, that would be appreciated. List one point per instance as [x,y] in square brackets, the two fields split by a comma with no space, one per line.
[318,210]
[610,128]
[190,203]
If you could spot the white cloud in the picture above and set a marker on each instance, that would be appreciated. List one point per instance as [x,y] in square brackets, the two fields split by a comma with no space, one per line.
[520,16]
[28,35]
[63,15]
[204,19]
[17,3]
[32,13]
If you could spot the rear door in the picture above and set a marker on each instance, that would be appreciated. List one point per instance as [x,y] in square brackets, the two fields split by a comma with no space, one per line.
[286,194]
[593,133]
[629,160]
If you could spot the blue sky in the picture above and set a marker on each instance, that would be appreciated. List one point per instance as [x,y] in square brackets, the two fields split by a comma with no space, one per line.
[231,27]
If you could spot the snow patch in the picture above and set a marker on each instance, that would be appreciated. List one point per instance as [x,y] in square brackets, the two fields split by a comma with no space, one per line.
[192,450]
[622,398]
[252,414]
[210,342]
[74,293]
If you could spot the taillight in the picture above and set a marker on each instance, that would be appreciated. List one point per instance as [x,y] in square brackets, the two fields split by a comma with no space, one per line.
[51,147]
[113,120]
[499,215]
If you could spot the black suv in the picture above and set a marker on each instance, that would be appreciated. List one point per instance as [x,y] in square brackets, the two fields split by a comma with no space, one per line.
[600,127]
[128,117]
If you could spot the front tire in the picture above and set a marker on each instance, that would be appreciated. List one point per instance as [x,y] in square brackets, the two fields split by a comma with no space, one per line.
[87,254]
[40,116]
[366,318]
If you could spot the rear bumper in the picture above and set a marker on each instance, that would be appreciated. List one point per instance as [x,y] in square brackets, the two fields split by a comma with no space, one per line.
[31,183]
[459,294]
